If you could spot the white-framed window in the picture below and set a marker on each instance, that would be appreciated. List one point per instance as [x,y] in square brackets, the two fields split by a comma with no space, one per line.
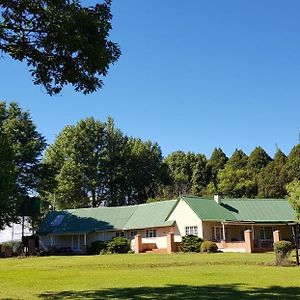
[191,230]
[150,233]
[120,234]
[133,233]
[217,233]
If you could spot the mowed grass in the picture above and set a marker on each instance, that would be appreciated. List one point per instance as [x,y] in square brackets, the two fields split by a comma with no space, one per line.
[160,276]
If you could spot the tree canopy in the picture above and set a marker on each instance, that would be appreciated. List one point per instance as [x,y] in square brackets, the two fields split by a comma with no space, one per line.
[61,41]
[21,149]
[94,163]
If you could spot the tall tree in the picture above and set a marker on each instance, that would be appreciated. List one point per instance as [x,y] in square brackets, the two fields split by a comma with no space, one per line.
[273,178]
[200,176]
[61,41]
[8,204]
[235,180]
[21,151]
[258,159]
[238,160]
[293,163]
[216,163]
[95,164]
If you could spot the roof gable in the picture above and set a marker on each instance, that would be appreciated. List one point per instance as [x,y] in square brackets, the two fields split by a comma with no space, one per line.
[208,210]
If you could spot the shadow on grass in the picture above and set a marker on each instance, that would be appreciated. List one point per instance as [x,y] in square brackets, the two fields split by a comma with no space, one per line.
[186,292]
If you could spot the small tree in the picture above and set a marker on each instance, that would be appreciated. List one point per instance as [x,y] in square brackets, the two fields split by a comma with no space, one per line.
[293,189]
[191,243]
[282,251]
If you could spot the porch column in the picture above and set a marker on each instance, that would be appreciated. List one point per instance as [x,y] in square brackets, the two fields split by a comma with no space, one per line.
[170,242]
[84,250]
[276,236]
[138,246]
[248,241]
[223,229]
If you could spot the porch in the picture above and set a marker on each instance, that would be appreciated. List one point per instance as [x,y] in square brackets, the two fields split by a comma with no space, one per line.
[248,237]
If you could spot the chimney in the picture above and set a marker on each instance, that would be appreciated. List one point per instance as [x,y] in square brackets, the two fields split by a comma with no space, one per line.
[217,198]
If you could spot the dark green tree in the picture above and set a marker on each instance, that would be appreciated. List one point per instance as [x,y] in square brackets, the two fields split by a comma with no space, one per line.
[95,164]
[8,204]
[61,41]
[216,163]
[200,176]
[21,148]
[293,163]
[235,180]
[238,160]
[273,178]
[258,159]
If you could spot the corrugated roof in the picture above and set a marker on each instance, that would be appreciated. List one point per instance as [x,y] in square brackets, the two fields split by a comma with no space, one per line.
[208,209]
[109,218]
[152,215]
[260,210]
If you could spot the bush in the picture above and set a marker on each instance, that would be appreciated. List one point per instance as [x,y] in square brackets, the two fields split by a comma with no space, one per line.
[7,249]
[208,246]
[190,243]
[282,251]
[97,247]
[118,245]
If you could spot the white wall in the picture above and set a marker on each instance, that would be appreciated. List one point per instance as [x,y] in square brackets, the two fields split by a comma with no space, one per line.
[185,216]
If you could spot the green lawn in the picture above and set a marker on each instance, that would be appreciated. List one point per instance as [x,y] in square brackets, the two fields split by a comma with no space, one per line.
[160,276]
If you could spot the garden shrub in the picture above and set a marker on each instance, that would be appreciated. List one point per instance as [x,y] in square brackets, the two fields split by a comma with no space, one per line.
[208,246]
[118,245]
[7,249]
[97,247]
[190,243]
[282,251]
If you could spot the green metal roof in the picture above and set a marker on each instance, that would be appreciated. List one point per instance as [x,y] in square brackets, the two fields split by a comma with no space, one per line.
[84,220]
[208,209]
[260,210]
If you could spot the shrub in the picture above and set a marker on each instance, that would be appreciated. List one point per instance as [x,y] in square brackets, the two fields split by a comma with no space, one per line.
[208,246]
[190,243]
[7,249]
[118,245]
[97,247]
[282,251]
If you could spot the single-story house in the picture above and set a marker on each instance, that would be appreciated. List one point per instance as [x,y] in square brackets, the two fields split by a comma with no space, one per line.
[240,225]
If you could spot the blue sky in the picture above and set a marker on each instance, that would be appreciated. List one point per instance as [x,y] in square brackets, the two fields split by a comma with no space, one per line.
[193,75]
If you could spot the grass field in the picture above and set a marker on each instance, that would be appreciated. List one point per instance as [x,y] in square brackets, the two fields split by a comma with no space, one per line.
[174,276]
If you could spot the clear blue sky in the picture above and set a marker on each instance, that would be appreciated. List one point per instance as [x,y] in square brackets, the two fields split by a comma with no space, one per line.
[193,75]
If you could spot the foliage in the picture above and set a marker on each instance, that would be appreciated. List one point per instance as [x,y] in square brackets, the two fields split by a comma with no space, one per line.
[293,190]
[118,245]
[273,178]
[216,163]
[61,41]
[258,159]
[282,250]
[94,163]
[188,172]
[236,183]
[21,148]
[190,243]
[97,247]
[208,246]
[293,163]
[238,160]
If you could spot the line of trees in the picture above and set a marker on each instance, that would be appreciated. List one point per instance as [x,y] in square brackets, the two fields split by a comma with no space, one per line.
[93,163]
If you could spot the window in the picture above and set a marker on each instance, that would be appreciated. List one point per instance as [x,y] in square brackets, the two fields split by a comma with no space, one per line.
[120,234]
[133,233]
[217,233]
[191,230]
[266,233]
[150,233]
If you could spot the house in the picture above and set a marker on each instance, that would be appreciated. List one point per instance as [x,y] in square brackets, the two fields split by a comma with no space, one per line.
[238,225]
